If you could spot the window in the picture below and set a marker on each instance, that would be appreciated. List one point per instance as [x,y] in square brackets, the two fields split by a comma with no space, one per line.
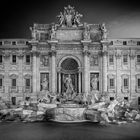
[125,59]
[13,58]
[124,43]
[13,43]
[0,58]
[27,83]
[112,83]
[1,82]
[111,43]
[138,59]
[126,98]
[111,98]
[0,42]
[43,36]
[138,100]
[138,42]
[126,83]
[111,59]
[138,83]
[13,83]
[27,59]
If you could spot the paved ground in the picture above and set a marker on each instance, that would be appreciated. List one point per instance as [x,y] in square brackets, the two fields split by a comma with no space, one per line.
[58,131]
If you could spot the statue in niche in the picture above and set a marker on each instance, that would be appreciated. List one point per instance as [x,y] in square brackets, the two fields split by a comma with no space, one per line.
[53,32]
[94,82]
[45,60]
[45,84]
[69,87]
[86,33]
[104,31]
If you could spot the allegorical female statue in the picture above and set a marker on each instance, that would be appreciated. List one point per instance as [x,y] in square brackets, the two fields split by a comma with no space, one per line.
[53,32]
[94,82]
[86,33]
[104,31]
[44,84]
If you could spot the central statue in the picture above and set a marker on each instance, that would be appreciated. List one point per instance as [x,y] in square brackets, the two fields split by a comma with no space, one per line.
[69,87]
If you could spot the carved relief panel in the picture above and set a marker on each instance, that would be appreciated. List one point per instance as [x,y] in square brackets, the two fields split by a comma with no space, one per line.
[44,60]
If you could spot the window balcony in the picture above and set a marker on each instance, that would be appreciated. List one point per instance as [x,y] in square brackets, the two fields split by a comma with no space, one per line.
[2,88]
[13,89]
[27,89]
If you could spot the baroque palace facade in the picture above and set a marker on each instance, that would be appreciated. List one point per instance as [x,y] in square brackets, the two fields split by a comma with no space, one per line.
[69,49]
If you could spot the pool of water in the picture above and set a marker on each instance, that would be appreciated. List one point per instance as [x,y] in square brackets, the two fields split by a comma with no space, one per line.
[63,131]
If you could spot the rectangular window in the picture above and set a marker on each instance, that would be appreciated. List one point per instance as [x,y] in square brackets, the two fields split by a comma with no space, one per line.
[14,58]
[138,42]
[0,58]
[111,59]
[126,83]
[0,82]
[27,59]
[111,98]
[124,43]
[13,83]
[138,100]
[138,59]
[27,83]
[139,83]
[125,59]
[112,83]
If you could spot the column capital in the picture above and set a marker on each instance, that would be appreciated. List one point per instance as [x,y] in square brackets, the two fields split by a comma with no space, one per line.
[80,69]
[104,53]
[35,53]
[132,56]
[59,69]
[86,53]
[52,53]
[118,55]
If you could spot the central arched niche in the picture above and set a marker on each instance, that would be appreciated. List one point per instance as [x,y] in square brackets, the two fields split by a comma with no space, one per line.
[69,64]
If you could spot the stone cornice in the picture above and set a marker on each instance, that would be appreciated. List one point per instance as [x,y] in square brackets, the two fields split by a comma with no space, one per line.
[85,42]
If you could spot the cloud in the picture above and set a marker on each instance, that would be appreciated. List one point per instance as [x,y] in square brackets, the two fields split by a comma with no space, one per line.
[125,26]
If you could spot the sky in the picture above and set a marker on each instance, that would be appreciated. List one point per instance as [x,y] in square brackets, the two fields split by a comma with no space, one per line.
[122,17]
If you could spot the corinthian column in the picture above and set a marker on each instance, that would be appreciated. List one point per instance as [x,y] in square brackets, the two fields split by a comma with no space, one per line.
[53,66]
[34,67]
[104,52]
[86,67]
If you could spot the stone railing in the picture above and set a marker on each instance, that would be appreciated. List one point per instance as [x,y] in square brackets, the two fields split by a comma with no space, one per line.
[27,89]
[14,42]
[125,42]
[13,89]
